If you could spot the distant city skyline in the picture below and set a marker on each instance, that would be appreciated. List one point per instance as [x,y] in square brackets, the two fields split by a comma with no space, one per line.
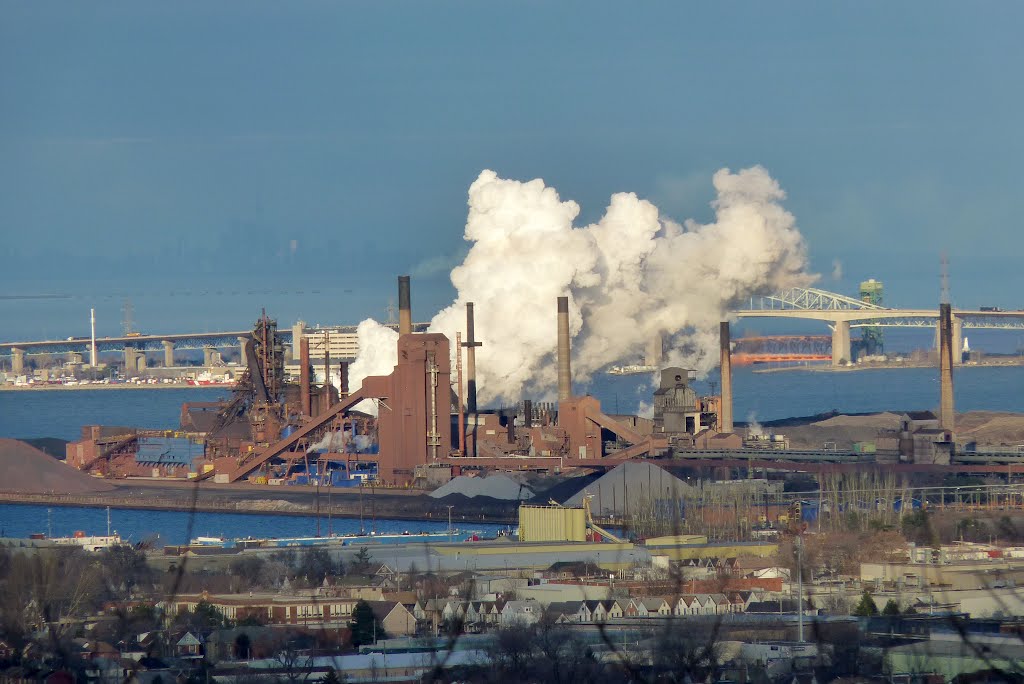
[325,148]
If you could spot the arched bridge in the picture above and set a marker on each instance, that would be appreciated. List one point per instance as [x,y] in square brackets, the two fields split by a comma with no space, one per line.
[842,313]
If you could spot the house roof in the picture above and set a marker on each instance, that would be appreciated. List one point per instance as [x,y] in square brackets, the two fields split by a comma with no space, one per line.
[189,640]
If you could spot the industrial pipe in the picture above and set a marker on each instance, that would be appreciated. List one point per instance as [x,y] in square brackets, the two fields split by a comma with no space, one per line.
[724,344]
[404,306]
[564,367]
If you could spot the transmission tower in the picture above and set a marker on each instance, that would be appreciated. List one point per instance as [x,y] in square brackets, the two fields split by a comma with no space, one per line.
[127,321]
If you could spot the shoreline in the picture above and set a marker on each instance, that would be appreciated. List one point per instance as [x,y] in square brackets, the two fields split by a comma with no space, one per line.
[396,505]
[118,386]
[825,367]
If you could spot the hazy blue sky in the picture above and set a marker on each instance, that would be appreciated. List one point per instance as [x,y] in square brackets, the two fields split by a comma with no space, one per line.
[237,154]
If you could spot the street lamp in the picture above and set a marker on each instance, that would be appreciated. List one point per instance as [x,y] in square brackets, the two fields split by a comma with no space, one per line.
[450,522]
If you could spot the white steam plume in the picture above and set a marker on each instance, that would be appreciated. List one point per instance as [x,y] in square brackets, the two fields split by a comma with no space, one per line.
[630,276]
[378,353]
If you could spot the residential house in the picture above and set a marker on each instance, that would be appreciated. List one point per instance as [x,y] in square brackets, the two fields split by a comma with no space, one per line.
[650,607]
[394,617]
[523,613]
[189,645]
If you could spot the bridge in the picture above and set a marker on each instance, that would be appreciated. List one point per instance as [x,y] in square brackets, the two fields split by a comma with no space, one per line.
[842,313]
[135,346]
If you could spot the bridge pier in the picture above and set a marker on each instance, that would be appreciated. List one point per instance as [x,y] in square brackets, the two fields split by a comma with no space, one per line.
[241,350]
[168,353]
[17,360]
[131,363]
[74,358]
[208,355]
[840,342]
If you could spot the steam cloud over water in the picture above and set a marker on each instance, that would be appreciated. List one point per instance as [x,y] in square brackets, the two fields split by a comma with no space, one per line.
[630,276]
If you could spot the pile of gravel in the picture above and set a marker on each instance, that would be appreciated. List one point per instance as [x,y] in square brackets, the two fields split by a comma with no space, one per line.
[28,470]
[498,486]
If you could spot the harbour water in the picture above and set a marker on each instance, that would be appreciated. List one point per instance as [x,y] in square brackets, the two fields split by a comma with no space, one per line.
[178,527]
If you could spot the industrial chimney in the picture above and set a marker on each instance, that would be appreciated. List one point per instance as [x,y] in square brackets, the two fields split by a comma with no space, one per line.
[946,416]
[726,363]
[304,375]
[404,307]
[564,368]
[470,344]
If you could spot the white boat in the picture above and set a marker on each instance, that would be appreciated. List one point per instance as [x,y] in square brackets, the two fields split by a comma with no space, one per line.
[340,540]
[87,542]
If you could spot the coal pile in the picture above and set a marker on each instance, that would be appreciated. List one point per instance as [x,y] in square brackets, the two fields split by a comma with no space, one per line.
[28,470]
[497,486]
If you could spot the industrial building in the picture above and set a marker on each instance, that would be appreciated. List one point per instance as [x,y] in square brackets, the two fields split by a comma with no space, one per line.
[305,427]
[282,426]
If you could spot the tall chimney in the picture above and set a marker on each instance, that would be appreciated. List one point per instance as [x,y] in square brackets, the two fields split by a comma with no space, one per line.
[304,374]
[946,416]
[564,366]
[724,345]
[404,307]
[327,369]
[461,446]
[343,378]
[527,413]
[470,344]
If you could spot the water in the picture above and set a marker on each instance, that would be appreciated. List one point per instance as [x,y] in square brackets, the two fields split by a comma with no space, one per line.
[62,413]
[177,527]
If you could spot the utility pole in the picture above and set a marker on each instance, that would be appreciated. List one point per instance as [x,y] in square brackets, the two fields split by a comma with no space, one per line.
[800,586]
[450,522]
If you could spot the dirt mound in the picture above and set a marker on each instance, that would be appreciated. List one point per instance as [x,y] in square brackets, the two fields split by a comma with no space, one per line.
[991,427]
[28,470]
[881,421]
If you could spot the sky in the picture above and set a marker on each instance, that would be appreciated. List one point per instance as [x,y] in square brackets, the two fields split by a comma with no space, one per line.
[206,160]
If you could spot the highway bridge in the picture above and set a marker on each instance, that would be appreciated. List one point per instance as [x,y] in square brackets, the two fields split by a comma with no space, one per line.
[842,313]
[135,346]
[839,312]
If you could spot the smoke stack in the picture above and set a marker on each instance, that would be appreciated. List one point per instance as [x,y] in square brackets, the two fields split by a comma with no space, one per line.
[404,306]
[527,413]
[304,374]
[946,416]
[726,363]
[564,366]
[343,378]
[470,344]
